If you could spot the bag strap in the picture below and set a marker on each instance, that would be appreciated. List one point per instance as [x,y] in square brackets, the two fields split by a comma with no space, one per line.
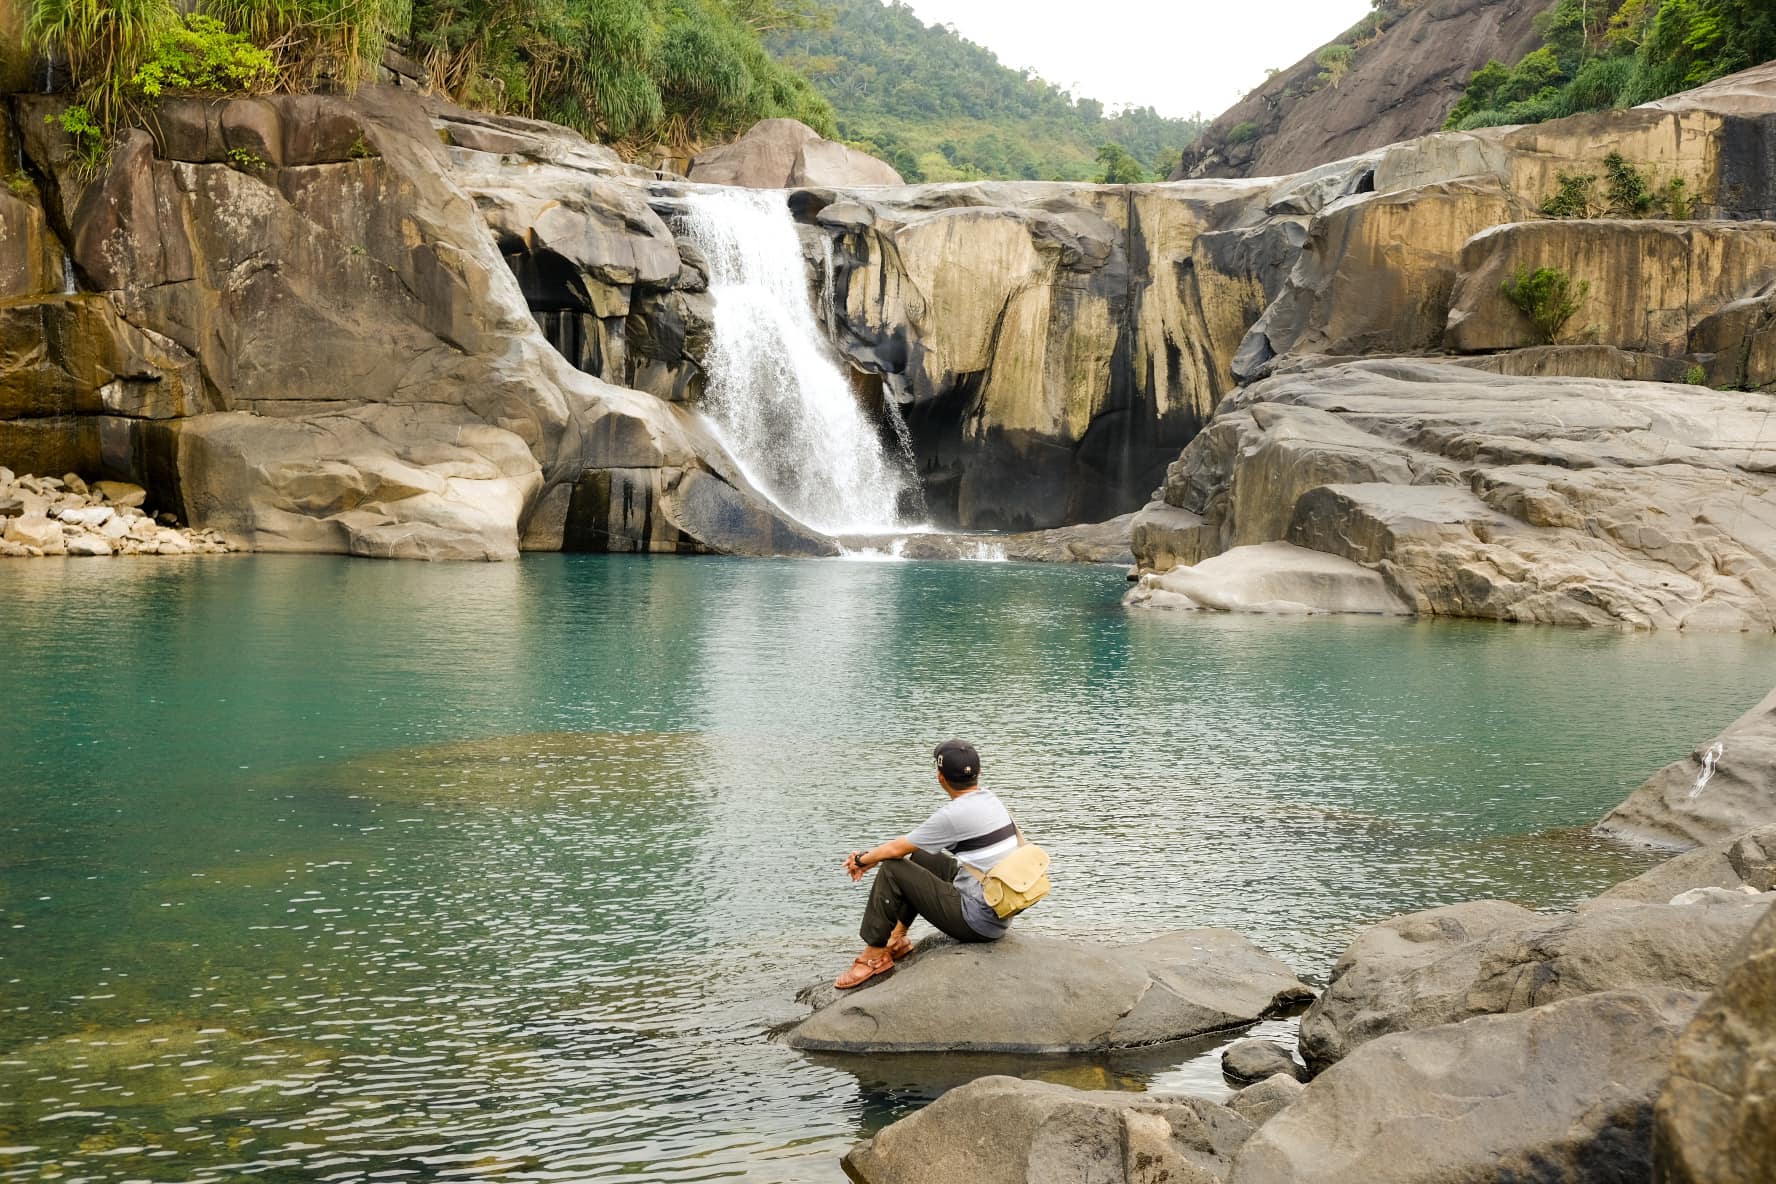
[991,839]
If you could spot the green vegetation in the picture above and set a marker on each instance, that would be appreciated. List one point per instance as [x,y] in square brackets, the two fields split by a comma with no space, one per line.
[941,108]
[1547,297]
[1630,193]
[200,56]
[1695,376]
[634,72]
[1120,166]
[1598,54]
[649,76]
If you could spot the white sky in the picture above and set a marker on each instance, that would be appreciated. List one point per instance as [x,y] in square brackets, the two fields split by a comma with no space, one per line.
[1178,56]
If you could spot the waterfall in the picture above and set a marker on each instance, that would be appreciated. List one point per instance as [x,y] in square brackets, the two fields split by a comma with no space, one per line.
[69,287]
[775,391]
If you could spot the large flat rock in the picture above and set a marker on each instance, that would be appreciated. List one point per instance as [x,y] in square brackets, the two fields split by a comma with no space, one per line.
[1562,1092]
[1030,994]
[1001,1130]
[1575,501]
[1724,788]
[1521,963]
[1270,578]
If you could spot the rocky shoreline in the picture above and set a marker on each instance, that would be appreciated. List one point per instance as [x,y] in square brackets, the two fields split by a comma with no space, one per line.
[65,516]
[1631,1038]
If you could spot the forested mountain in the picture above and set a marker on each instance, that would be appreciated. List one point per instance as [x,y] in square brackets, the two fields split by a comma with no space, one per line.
[1596,54]
[939,107]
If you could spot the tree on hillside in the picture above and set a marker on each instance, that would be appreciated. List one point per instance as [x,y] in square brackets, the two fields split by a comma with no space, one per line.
[1120,166]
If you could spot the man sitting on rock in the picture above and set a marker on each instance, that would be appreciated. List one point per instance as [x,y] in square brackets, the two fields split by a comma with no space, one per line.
[923,874]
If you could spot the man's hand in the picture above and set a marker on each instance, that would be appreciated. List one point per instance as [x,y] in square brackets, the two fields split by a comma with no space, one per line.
[854,866]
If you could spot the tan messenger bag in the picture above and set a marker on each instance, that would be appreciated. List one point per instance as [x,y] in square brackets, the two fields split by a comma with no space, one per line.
[1015,882]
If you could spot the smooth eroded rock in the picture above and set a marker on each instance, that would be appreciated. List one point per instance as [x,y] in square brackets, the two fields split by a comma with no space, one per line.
[1270,578]
[1255,1060]
[1524,963]
[1002,1130]
[1721,790]
[1053,996]
[1562,1092]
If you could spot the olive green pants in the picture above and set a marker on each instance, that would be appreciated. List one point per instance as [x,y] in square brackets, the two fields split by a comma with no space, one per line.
[921,885]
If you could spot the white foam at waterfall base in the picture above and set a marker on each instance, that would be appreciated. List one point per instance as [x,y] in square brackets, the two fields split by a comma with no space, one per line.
[773,387]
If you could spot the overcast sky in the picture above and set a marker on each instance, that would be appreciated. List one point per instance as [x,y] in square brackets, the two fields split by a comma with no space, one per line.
[1178,56]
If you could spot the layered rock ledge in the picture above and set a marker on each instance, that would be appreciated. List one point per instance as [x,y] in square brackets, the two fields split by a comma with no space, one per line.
[1032,994]
[1457,492]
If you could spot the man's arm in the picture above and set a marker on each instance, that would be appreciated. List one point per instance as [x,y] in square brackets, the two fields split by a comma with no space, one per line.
[856,864]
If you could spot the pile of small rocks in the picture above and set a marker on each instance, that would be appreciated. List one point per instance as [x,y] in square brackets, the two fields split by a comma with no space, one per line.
[66,516]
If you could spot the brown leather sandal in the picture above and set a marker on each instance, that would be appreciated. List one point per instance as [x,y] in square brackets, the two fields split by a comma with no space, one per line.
[901,948]
[862,971]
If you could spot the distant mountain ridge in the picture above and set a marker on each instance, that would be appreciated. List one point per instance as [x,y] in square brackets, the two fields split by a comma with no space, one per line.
[1394,75]
[938,107]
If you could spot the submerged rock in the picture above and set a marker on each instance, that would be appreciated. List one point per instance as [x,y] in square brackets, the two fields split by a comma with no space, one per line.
[1717,1116]
[1561,1092]
[1720,791]
[1031,994]
[1001,1130]
[1522,963]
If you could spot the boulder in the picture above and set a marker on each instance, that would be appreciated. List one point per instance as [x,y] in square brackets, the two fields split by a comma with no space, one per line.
[779,153]
[1716,1120]
[1270,578]
[1255,1060]
[1561,1092]
[1554,500]
[1746,861]
[35,530]
[1053,996]
[121,493]
[1520,965]
[1723,789]
[91,545]
[1001,1130]
[1262,1101]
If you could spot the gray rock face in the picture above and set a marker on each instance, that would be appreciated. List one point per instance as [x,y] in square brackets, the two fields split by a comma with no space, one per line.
[1723,789]
[1717,1116]
[1561,1092]
[1053,996]
[1563,501]
[1748,861]
[780,153]
[1000,1130]
[1264,1100]
[1534,960]
[1256,1060]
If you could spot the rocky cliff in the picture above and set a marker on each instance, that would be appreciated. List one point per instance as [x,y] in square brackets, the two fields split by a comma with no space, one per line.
[294,320]
[1395,77]
[387,326]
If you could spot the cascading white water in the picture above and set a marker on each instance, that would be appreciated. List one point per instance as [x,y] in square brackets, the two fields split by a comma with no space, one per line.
[773,388]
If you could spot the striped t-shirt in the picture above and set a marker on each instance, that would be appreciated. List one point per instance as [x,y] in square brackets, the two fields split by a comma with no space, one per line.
[973,814]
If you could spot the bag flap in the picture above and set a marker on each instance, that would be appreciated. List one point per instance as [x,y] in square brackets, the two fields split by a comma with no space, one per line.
[1020,870]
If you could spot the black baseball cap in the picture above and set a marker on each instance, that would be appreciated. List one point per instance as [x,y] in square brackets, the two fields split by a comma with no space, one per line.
[957,761]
